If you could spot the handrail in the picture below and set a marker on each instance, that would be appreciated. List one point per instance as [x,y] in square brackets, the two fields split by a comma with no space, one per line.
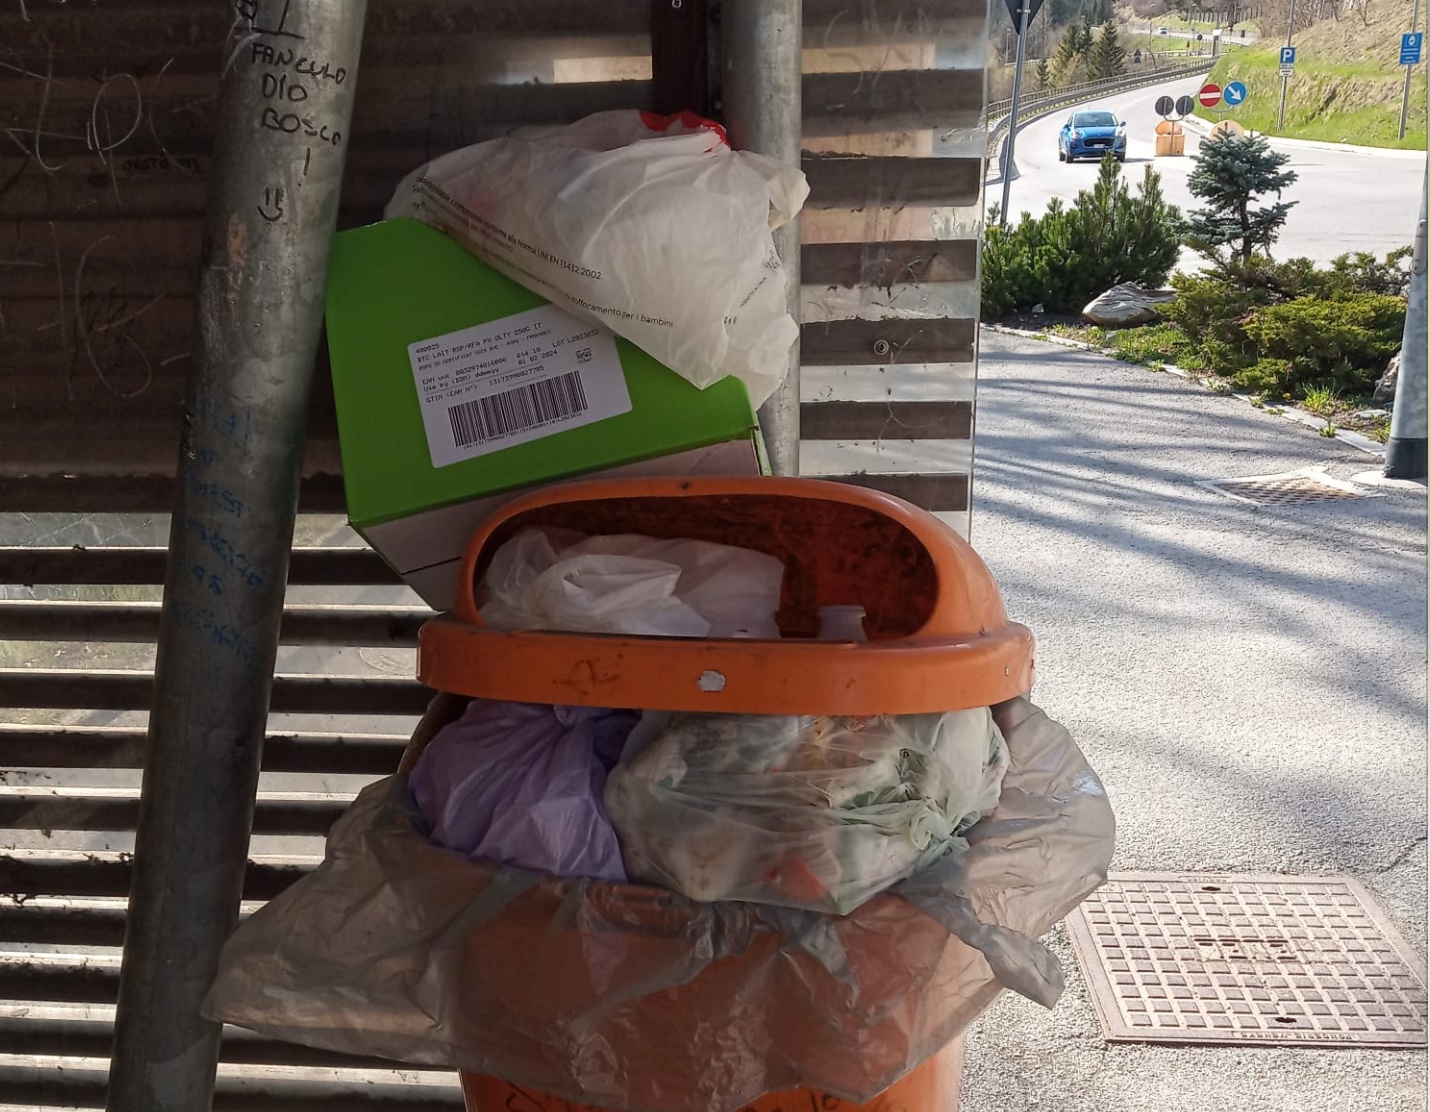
[1083,88]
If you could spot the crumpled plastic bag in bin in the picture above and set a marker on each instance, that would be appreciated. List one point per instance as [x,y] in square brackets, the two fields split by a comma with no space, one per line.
[806,812]
[632,998]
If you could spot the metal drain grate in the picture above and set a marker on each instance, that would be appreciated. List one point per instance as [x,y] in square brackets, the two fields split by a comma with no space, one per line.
[1309,961]
[1294,488]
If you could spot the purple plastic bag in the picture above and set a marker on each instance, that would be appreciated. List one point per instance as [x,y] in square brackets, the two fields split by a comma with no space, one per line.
[523,784]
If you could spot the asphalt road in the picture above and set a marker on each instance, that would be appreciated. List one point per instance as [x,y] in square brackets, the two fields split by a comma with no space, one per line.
[1353,199]
[1248,682]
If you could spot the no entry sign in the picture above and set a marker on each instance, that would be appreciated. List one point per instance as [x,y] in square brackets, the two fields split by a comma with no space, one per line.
[1209,95]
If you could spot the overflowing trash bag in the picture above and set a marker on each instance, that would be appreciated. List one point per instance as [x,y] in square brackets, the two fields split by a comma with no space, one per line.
[650,225]
[558,579]
[634,997]
[524,784]
[809,812]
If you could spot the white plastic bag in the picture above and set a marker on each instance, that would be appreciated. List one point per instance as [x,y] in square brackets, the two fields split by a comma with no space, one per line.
[810,812]
[558,579]
[650,225]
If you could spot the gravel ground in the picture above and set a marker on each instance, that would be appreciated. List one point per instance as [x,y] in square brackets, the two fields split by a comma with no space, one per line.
[1249,682]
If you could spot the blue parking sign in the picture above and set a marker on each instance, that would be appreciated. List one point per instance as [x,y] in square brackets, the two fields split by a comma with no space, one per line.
[1411,44]
[1288,55]
[1235,93]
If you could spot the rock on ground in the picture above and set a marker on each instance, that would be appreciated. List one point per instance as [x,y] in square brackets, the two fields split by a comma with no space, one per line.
[1125,305]
[1385,387]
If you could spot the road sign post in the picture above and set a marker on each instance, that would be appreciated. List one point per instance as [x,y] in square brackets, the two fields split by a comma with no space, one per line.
[1026,8]
[1029,11]
[1411,45]
[1288,64]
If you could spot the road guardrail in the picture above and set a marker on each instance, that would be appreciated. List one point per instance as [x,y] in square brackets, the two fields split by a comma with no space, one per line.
[1072,94]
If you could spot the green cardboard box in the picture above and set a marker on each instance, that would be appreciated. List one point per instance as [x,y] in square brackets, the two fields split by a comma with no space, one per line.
[458,389]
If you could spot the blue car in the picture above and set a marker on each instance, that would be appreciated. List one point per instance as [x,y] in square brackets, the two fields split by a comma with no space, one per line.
[1092,135]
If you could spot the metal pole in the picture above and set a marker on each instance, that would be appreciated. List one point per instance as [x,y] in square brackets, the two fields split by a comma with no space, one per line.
[285,101]
[761,71]
[1405,455]
[1290,28]
[1013,112]
[1405,94]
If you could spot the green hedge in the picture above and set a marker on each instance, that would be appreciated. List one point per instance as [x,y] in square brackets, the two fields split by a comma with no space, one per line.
[1068,256]
[1278,328]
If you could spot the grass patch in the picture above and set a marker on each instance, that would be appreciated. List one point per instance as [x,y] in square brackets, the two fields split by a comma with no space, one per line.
[1156,344]
[1347,85]
[1083,333]
[1151,345]
[1320,400]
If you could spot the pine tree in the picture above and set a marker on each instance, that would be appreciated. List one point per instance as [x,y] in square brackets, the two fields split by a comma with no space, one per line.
[1084,34]
[1069,51]
[1043,75]
[1108,58]
[1230,174]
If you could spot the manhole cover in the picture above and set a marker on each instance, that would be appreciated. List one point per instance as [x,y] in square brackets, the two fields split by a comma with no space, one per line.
[1294,488]
[1310,961]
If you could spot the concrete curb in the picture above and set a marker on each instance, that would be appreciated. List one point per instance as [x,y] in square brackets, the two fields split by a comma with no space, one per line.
[1289,413]
[1203,128]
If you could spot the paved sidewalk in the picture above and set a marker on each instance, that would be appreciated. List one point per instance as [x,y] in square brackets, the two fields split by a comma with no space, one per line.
[1249,682]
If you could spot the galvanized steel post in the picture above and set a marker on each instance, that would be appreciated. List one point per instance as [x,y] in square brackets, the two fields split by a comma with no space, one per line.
[1023,9]
[1405,92]
[289,69]
[1290,34]
[761,89]
[1405,452]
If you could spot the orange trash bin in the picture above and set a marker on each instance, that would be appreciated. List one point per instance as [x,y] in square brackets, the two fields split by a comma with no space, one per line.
[933,1087]
[938,639]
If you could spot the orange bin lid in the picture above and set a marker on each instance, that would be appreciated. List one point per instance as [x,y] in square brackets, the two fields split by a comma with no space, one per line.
[939,637]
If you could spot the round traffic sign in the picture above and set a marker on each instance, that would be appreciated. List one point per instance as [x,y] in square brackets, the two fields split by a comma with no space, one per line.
[1185,106]
[1235,93]
[1164,107]
[1209,95]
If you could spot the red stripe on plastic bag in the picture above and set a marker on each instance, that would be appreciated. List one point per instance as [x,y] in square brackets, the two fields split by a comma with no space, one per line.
[690,120]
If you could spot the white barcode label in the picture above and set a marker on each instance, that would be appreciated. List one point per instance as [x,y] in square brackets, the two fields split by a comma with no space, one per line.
[526,407]
[518,379]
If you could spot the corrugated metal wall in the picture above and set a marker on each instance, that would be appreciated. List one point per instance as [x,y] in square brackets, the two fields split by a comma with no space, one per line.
[107,110]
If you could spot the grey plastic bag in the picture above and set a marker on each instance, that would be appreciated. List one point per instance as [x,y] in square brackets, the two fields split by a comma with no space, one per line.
[628,997]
